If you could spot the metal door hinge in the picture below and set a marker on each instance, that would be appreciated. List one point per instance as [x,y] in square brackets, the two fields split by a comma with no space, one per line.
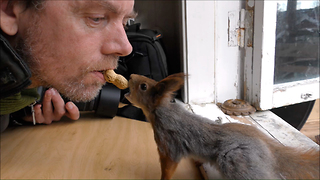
[240,28]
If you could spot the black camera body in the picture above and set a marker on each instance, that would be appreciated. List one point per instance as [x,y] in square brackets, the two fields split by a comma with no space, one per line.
[105,104]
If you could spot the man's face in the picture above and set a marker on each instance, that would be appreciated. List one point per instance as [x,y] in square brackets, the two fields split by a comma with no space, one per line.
[68,43]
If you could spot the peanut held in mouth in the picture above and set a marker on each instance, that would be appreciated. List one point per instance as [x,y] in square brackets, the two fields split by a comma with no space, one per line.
[111,77]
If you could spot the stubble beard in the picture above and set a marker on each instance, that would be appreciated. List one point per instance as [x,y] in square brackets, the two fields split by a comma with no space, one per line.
[34,53]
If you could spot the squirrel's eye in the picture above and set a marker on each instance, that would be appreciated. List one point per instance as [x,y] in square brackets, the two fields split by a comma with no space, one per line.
[143,87]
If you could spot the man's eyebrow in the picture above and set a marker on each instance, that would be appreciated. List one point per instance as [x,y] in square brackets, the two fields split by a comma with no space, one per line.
[102,4]
[132,15]
[111,8]
[108,6]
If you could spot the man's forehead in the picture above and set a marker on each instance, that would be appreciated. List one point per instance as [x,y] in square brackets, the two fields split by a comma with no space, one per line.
[115,6]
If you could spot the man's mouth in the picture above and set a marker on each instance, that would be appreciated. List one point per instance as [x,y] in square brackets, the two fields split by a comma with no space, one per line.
[100,74]
[101,71]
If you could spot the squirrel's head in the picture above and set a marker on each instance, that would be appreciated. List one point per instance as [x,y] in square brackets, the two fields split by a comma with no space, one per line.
[147,93]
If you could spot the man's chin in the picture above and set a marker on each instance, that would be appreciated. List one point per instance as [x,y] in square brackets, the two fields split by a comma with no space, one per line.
[82,94]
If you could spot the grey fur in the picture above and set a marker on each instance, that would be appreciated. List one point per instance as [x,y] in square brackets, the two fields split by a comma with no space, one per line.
[235,154]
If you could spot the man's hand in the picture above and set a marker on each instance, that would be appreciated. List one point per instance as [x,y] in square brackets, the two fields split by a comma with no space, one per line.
[53,108]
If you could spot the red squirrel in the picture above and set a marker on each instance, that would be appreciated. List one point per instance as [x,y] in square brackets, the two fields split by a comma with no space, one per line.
[238,151]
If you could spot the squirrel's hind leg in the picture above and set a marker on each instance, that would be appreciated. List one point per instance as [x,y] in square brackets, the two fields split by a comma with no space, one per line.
[168,166]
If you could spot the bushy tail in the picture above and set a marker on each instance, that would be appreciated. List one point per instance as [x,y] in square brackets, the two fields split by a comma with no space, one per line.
[294,164]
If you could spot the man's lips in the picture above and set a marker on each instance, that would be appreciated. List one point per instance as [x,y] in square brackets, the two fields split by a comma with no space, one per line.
[100,75]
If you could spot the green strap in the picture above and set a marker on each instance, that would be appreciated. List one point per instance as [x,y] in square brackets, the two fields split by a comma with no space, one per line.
[18,101]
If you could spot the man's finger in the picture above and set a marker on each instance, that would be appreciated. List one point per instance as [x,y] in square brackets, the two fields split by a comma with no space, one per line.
[47,107]
[72,111]
[58,105]
[38,114]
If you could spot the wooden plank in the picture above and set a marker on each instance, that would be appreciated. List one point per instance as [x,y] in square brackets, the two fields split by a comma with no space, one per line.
[282,131]
[90,148]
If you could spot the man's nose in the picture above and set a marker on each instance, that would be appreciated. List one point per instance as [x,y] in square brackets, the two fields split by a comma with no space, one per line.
[116,41]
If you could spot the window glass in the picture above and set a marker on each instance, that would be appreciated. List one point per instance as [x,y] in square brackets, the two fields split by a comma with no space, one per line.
[297,41]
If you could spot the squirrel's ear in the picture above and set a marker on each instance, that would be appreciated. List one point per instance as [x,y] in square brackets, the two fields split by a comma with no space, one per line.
[170,84]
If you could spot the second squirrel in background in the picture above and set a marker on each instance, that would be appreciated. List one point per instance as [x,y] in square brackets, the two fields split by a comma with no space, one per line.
[239,151]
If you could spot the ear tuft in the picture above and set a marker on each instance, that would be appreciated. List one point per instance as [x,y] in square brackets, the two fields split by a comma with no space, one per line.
[170,84]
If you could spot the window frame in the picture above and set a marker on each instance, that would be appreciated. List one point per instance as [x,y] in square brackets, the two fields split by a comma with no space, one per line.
[259,73]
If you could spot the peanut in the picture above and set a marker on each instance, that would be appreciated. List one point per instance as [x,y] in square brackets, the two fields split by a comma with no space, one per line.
[111,77]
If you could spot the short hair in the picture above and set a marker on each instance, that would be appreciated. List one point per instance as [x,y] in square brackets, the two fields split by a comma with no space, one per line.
[36,4]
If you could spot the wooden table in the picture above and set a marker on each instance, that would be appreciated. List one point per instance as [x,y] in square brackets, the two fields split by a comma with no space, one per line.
[90,148]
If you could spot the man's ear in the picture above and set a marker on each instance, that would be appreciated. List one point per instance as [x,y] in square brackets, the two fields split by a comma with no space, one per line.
[170,84]
[9,16]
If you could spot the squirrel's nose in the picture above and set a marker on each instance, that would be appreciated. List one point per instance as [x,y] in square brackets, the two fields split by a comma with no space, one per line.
[132,76]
